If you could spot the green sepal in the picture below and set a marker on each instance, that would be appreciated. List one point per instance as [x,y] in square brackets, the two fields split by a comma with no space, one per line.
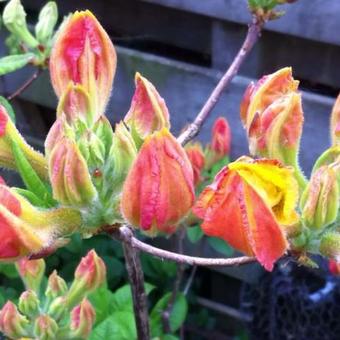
[30,177]
[5,103]
[14,62]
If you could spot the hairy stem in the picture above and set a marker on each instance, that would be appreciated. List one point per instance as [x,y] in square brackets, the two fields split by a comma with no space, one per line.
[125,235]
[136,278]
[252,36]
[25,85]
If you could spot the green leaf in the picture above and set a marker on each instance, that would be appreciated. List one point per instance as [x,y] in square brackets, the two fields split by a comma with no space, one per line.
[14,62]
[177,317]
[120,325]
[194,234]
[9,270]
[220,246]
[31,197]
[30,177]
[101,299]
[5,103]
[158,269]
[169,337]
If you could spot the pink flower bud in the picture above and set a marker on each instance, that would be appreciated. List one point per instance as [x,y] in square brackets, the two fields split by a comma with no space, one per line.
[12,323]
[45,328]
[334,267]
[83,54]
[196,156]
[148,111]
[160,177]
[29,303]
[89,275]
[31,272]
[69,175]
[335,122]
[56,286]
[82,319]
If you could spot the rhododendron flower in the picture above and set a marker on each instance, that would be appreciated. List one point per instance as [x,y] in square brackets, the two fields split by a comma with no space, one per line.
[158,191]
[196,156]
[25,230]
[83,54]
[248,205]
[335,122]
[272,115]
[148,111]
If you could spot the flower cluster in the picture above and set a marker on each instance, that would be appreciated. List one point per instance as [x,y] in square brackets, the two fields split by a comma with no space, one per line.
[60,312]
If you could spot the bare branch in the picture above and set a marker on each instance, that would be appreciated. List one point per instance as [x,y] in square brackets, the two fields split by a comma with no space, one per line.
[25,85]
[125,235]
[253,35]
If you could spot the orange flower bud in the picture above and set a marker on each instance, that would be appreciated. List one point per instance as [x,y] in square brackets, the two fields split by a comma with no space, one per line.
[89,275]
[12,323]
[335,122]
[320,200]
[25,230]
[334,267]
[196,156]
[159,179]
[82,320]
[83,54]
[9,133]
[69,174]
[31,272]
[248,205]
[148,111]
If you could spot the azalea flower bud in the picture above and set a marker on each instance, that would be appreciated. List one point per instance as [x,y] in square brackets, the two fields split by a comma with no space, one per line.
[31,272]
[89,275]
[9,134]
[160,177]
[335,122]
[47,20]
[148,112]
[320,200]
[12,323]
[69,175]
[83,54]
[14,18]
[25,230]
[330,245]
[58,308]
[56,286]
[272,115]
[82,319]
[249,205]
[197,159]
[29,303]
[334,267]
[45,328]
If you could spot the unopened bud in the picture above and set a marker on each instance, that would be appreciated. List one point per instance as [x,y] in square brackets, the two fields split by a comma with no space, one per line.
[89,275]
[330,245]
[12,323]
[56,286]
[82,319]
[14,18]
[48,17]
[45,328]
[58,308]
[31,272]
[29,303]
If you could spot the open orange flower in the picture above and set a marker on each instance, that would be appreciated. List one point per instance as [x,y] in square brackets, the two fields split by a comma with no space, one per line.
[248,205]
[158,191]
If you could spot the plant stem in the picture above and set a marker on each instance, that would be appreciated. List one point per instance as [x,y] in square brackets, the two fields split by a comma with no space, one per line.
[168,310]
[25,85]
[136,278]
[125,235]
[252,36]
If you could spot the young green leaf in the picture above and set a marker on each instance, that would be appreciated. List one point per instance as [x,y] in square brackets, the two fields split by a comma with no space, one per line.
[14,62]
[31,197]
[220,246]
[30,177]
[194,234]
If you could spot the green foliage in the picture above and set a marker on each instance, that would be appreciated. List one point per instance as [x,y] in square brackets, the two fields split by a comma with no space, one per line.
[14,62]
[194,233]
[220,246]
[5,103]
[265,4]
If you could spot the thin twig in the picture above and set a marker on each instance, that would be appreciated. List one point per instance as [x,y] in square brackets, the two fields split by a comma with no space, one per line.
[136,278]
[124,234]
[190,280]
[168,310]
[253,35]
[25,85]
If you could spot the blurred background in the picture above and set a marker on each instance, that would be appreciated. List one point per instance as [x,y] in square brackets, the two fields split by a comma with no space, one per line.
[183,46]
